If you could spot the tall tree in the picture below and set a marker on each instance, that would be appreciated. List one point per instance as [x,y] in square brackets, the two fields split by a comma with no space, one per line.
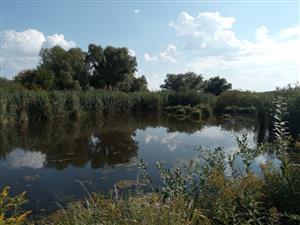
[110,66]
[183,82]
[68,67]
[217,85]
[139,84]
[95,63]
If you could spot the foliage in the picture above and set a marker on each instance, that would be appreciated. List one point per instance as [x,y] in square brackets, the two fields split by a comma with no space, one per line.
[194,83]
[110,65]
[39,105]
[183,82]
[236,98]
[217,85]
[147,209]
[197,112]
[109,68]
[10,208]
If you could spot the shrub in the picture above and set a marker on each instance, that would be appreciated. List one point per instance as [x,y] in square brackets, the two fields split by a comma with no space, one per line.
[10,208]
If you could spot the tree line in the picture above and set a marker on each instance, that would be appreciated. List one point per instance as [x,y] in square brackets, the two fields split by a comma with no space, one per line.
[105,68]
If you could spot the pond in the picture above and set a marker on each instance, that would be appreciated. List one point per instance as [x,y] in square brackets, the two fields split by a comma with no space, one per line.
[56,162]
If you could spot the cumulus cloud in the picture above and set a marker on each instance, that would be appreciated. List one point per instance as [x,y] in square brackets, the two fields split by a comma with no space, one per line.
[20,50]
[28,42]
[274,63]
[271,58]
[169,54]
[59,39]
[208,30]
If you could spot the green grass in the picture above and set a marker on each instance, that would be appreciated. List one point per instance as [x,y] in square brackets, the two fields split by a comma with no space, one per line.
[21,105]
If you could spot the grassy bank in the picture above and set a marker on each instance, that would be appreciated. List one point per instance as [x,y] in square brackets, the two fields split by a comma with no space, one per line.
[25,105]
[18,104]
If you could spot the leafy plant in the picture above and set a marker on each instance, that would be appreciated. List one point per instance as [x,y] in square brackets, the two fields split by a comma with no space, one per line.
[10,208]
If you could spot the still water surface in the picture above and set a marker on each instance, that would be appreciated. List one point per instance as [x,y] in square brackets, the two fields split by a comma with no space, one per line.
[49,160]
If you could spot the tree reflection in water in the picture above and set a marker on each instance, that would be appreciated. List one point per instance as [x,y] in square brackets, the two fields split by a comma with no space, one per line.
[104,141]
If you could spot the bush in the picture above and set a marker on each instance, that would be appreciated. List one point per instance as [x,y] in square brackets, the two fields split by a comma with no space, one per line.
[10,208]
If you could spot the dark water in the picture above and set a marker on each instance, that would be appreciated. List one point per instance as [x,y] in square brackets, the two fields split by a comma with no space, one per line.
[53,161]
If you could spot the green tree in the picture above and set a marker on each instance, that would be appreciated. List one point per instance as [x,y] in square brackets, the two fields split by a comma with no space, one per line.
[36,79]
[183,82]
[217,85]
[69,67]
[26,78]
[76,59]
[132,84]
[44,79]
[139,84]
[95,63]
[110,66]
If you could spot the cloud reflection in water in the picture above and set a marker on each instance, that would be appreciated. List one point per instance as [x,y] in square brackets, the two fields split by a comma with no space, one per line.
[19,158]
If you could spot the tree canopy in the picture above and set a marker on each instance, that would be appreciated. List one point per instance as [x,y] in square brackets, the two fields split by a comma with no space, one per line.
[217,85]
[192,82]
[183,82]
[108,68]
[105,68]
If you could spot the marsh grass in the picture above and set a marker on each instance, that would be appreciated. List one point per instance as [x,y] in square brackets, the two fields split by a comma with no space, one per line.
[24,105]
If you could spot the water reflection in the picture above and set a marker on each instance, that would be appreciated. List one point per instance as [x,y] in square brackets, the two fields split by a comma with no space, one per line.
[47,160]
[19,158]
[109,142]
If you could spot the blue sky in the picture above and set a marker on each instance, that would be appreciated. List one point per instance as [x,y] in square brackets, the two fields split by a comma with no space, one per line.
[253,45]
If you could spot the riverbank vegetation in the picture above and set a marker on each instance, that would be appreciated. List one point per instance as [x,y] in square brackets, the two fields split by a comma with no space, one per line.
[68,84]
[21,105]
[248,185]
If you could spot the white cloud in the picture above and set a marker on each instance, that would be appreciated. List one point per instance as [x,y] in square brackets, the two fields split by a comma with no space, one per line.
[59,39]
[149,58]
[207,30]
[131,52]
[24,43]
[154,81]
[136,11]
[169,54]
[290,32]
[273,59]
[20,50]
[262,34]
